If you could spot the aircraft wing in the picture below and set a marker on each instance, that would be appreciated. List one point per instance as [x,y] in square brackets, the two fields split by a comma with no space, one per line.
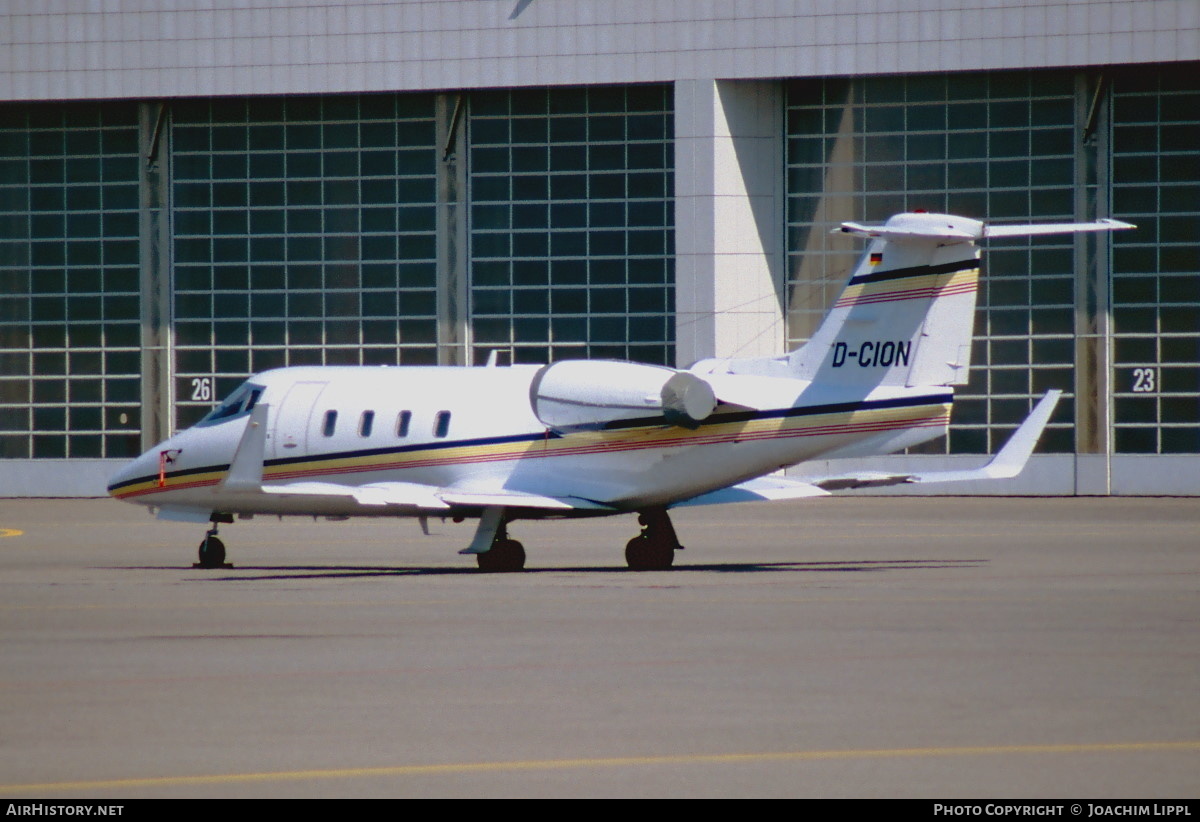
[1008,461]
[519,499]
[429,498]
[398,494]
[761,489]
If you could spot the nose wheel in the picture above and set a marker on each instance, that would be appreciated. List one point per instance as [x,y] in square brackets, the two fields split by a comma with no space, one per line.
[212,549]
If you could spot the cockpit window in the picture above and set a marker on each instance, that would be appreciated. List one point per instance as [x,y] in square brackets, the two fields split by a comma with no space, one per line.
[239,402]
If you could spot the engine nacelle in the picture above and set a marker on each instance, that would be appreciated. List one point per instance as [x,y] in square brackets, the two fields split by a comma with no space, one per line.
[593,393]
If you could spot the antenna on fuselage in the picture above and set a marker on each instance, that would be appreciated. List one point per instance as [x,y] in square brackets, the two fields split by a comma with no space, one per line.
[493,360]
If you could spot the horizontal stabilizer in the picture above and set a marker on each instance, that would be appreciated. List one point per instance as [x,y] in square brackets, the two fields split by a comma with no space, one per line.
[762,489]
[949,229]
[1054,228]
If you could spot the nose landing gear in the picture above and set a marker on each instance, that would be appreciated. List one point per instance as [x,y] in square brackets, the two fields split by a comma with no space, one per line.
[212,549]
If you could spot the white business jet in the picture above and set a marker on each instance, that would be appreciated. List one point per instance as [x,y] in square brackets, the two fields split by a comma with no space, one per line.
[583,438]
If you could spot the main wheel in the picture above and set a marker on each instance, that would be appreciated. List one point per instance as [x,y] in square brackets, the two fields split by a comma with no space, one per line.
[644,554]
[212,553]
[505,555]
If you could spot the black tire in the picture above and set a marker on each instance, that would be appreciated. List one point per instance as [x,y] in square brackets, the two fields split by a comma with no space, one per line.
[506,555]
[643,554]
[212,553]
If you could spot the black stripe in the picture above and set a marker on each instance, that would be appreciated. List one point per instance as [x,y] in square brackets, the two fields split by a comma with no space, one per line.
[915,271]
[365,452]
[641,422]
[801,411]
[424,446]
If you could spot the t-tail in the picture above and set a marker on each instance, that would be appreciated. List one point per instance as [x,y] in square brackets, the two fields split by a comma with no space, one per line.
[905,317]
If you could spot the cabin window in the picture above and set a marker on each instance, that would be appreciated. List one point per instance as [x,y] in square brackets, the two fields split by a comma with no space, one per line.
[402,423]
[330,423]
[365,423]
[442,427]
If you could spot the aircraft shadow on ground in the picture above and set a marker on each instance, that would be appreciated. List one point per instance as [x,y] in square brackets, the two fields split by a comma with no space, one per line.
[249,573]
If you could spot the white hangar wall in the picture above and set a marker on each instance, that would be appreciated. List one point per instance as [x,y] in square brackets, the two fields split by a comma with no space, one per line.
[729,242]
[74,49]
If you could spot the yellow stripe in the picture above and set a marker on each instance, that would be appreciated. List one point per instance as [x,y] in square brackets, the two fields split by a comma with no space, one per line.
[601,762]
[10,532]
[657,437]
[574,443]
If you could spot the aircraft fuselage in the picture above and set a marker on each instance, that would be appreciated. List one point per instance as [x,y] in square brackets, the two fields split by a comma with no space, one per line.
[474,430]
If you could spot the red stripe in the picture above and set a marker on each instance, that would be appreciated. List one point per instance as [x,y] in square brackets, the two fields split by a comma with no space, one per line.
[610,447]
[594,448]
[914,294]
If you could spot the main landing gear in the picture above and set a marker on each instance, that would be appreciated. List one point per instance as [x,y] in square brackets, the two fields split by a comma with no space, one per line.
[212,549]
[653,549]
[504,555]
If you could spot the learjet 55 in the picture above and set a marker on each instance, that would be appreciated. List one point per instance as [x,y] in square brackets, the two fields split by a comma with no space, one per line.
[582,438]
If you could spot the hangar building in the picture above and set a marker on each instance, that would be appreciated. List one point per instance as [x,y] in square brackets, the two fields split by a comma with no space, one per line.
[195,191]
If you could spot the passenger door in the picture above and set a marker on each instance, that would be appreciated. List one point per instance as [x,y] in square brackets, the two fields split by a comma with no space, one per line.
[293,420]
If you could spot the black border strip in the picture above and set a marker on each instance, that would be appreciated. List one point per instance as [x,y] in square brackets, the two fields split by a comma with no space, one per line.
[915,271]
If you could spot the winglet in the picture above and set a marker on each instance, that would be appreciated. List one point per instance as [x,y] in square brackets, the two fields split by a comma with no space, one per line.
[246,470]
[1007,463]
[1009,460]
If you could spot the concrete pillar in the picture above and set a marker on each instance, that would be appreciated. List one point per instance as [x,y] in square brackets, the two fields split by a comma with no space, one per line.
[453,238]
[1093,312]
[729,219]
[154,233]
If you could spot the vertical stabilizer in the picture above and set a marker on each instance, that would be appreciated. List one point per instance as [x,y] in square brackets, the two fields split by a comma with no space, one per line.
[905,317]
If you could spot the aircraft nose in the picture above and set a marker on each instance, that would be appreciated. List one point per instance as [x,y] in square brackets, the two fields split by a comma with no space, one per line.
[144,467]
[122,476]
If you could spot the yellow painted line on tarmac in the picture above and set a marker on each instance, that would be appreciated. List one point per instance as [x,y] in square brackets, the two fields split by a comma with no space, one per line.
[458,769]
[10,532]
